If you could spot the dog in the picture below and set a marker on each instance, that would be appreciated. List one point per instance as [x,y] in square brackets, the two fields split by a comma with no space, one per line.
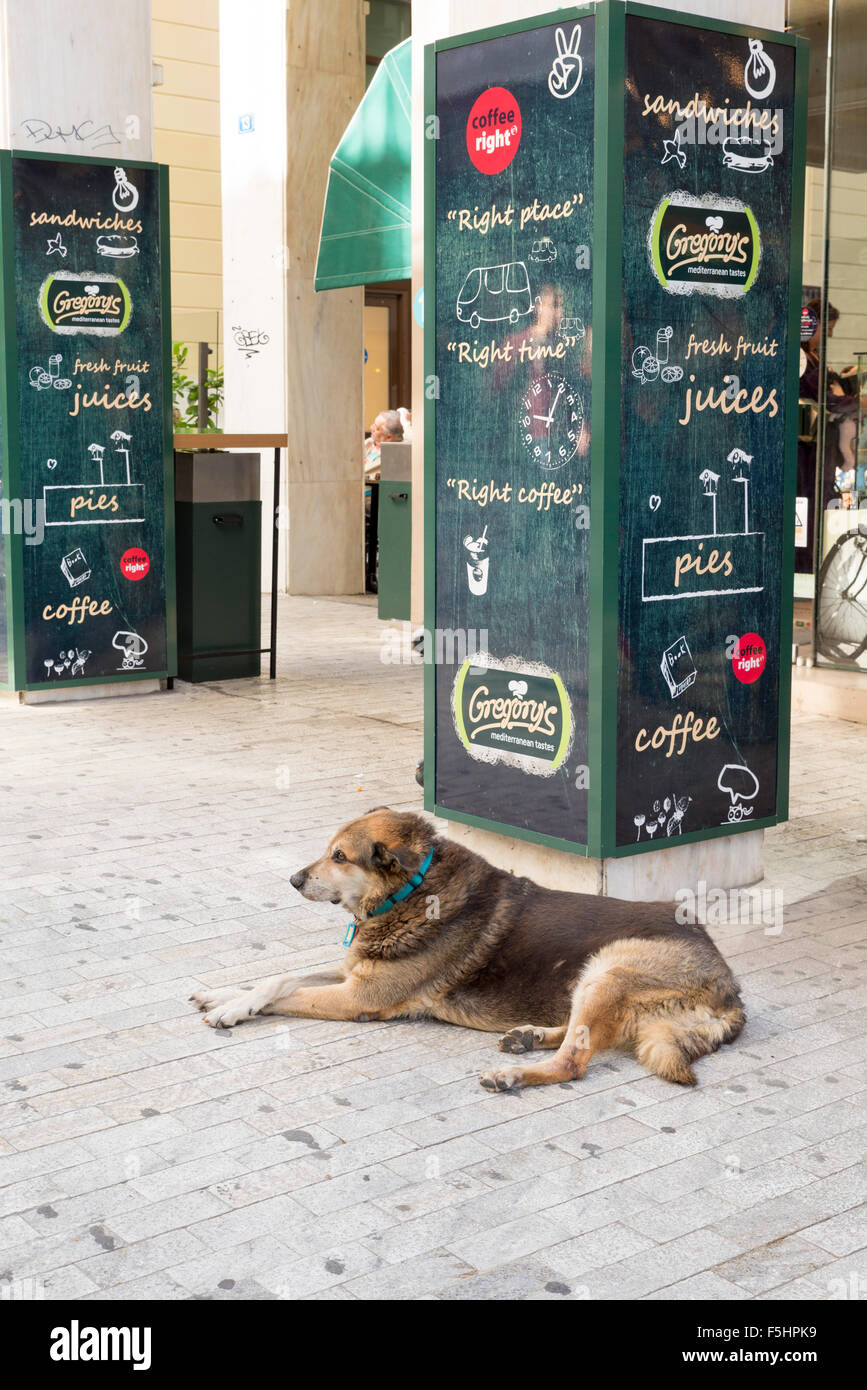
[438,932]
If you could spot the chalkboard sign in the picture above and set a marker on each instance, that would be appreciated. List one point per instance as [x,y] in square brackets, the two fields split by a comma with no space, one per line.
[87,424]
[707,201]
[513,222]
[613,238]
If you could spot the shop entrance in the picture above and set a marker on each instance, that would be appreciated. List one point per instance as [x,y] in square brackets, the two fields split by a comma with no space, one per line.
[831,508]
[387,387]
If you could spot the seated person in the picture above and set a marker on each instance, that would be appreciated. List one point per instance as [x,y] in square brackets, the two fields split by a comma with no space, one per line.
[386,429]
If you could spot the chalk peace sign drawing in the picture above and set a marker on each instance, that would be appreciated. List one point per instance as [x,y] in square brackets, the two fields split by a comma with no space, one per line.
[759,68]
[565,75]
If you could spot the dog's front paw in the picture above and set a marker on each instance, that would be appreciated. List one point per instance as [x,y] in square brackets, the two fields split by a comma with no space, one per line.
[226,1015]
[503,1080]
[210,998]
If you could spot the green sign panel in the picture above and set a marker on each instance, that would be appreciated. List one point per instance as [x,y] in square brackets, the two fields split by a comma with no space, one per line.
[613,236]
[512,222]
[709,183]
[87,422]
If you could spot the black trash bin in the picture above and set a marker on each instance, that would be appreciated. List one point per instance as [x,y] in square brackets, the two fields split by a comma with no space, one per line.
[218,522]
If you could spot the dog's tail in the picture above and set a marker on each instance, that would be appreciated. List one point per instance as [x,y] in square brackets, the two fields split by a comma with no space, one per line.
[668,1042]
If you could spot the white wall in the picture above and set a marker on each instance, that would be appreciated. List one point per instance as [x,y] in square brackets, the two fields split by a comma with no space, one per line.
[253,173]
[253,182]
[294,69]
[75,78]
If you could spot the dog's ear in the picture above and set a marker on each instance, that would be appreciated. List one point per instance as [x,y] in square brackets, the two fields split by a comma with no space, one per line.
[391,860]
[371,809]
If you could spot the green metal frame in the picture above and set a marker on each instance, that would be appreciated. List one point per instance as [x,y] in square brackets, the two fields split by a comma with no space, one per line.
[609,123]
[9,433]
[609,120]
[9,426]
[430,54]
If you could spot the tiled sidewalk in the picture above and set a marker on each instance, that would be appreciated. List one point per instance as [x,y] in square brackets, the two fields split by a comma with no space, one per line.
[146,846]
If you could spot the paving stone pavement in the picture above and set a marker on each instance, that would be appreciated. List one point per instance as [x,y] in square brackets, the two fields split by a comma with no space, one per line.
[146,847]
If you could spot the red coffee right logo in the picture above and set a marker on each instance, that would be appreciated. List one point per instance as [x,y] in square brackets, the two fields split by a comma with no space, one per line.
[749,657]
[494,130]
[135,563]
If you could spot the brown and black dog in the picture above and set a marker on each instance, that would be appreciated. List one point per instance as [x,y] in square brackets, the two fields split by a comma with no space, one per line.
[476,946]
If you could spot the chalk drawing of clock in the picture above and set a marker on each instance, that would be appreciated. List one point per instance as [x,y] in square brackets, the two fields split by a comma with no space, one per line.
[552,421]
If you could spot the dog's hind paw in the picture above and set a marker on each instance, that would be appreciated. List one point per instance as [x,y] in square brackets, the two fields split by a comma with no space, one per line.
[500,1080]
[518,1040]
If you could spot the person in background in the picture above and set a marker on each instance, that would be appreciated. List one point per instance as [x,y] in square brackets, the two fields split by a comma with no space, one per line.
[842,406]
[386,429]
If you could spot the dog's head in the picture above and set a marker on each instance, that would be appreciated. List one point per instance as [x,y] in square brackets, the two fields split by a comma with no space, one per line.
[367,860]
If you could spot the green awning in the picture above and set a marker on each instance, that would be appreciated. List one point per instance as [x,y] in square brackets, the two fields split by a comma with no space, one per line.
[366,222]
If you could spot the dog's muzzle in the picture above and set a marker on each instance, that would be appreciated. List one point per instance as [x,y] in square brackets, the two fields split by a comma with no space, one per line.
[298,880]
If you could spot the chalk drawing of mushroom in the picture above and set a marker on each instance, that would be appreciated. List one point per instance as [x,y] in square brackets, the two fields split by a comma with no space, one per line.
[742,786]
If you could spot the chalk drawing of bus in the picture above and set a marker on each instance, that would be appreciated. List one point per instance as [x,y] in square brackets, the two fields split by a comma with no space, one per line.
[494,294]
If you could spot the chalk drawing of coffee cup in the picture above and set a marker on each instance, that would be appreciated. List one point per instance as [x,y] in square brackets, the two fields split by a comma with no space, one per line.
[477,577]
[478,562]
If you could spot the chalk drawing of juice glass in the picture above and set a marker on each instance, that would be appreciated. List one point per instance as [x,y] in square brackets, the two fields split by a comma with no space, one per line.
[495,294]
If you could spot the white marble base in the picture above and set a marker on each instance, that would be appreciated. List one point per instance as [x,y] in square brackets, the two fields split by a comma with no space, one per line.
[90,692]
[732,861]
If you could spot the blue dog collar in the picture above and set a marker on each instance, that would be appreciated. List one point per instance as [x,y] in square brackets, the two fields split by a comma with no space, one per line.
[398,897]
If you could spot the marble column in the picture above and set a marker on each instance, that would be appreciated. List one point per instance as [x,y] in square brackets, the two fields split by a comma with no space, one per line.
[74,83]
[325,82]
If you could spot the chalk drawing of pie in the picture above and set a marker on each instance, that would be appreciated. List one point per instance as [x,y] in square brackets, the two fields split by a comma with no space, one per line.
[117,245]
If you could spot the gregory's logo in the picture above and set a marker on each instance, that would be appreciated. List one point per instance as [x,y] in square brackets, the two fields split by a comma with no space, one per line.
[704,245]
[505,714]
[71,303]
[77,1343]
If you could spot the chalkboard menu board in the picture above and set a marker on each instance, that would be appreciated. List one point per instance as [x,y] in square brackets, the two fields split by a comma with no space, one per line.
[707,200]
[513,223]
[613,229]
[87,421]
